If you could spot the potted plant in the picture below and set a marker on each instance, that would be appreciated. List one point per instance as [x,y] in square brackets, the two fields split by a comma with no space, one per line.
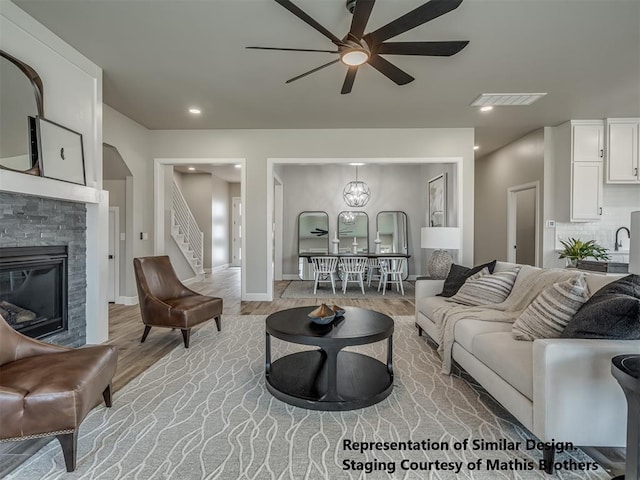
[576,249]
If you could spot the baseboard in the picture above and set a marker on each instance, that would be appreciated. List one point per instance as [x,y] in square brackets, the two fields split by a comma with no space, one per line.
[256,297]
[191,280]
[220,267]
[289,276]
[127,300]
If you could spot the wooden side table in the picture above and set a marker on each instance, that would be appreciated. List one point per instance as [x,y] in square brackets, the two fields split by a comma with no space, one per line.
[626,370]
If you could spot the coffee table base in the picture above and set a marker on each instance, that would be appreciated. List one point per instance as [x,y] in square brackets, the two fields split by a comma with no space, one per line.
[302,379]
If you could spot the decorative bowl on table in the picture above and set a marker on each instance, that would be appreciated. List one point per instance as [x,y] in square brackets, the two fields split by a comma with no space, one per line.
[322,315]
[339,311]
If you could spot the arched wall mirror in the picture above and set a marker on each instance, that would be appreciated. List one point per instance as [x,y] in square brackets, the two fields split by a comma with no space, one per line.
[21,97]
[313,237]
[391,228]
[353,225]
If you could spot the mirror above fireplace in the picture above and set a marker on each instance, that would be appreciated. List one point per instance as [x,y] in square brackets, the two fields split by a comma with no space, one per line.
[21,98]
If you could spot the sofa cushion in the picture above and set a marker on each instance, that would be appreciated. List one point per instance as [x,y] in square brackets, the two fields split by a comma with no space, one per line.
[466,330]
[510,359]
[552,310]
[428,305]
[613,312]
[459,274]
[486,289]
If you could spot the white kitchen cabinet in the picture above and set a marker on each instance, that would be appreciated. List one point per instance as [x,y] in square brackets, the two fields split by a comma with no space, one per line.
[587,142]
[578,151]
[622,150]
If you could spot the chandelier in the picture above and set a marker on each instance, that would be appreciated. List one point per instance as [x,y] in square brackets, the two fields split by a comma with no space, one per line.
[348,218]
[356,193]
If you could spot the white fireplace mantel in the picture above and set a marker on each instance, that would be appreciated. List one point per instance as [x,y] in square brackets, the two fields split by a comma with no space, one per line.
[16,182]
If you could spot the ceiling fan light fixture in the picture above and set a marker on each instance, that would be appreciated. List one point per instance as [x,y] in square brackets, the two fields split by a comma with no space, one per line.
[354,57]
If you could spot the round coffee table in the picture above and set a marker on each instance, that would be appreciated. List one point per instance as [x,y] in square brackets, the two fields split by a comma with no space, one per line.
[328,378]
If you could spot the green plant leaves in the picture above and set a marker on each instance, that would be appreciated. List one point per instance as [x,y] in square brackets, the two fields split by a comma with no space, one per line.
[576,249]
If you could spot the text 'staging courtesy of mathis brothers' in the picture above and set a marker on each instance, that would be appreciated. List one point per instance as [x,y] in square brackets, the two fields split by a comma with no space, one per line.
[392,457]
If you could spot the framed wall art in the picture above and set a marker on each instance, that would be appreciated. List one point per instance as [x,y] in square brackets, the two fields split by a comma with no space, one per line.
[437,192]
[60,152]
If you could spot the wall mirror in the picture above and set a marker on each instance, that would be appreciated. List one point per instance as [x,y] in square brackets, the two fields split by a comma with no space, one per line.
[353,225]
[21,97]
[313,237]
[391,228]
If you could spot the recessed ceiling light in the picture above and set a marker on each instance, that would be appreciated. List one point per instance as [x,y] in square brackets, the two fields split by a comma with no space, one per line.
[486,108]
[476,147]
[195,111]
[237,165]
[356,164]
[191,169]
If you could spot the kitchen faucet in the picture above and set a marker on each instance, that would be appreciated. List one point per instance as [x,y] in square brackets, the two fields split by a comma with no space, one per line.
[617,245]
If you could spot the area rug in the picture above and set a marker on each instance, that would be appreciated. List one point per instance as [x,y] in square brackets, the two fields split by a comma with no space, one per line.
[304,289]
[204,413]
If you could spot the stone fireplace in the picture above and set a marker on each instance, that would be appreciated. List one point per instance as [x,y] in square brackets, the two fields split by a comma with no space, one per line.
[43,267]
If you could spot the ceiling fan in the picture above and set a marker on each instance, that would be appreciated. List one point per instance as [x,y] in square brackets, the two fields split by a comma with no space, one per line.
[356,48]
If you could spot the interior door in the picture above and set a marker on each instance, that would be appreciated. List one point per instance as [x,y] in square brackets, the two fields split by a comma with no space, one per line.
[111,294]
[236,232]
[526,227]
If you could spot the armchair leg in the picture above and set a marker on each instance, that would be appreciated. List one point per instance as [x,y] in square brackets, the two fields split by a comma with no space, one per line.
[218,320]
[186,332]
[69,444]
[106,395]
[146,332]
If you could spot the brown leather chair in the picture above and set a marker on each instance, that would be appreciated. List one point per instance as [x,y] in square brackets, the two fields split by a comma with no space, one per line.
[47,390]
[166,302]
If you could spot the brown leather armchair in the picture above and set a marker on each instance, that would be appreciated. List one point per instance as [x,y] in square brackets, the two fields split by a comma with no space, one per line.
[166,302]
[47,390]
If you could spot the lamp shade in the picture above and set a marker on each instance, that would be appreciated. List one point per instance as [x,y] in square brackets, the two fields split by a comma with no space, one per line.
[634,247]
[446,238]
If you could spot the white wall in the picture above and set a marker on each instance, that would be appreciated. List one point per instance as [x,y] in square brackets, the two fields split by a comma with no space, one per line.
[73,98]
[518,163]
[132,141]
[220,222]
[393,187]
[256,146]
[118,198]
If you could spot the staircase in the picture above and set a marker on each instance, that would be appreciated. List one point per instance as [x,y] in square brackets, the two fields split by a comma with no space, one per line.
[185,231]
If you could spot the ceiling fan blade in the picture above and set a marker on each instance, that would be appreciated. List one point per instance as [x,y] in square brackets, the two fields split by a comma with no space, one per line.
[292,49]
[348,80]
[298,12]
[390,70]
[436,49]
[414,18]
[361,17]
[312,71]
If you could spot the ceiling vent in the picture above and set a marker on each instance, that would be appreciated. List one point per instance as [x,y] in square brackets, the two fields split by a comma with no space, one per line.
[506,99]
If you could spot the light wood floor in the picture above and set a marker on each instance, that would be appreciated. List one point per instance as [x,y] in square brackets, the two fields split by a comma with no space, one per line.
[125,324]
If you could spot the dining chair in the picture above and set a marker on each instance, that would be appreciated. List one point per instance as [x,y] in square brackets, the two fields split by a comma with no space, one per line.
[324,270]
[353,269]
[391,272]
[372,267]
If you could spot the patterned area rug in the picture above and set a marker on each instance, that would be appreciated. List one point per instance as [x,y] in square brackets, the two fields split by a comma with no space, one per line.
[204,413]
[304,289]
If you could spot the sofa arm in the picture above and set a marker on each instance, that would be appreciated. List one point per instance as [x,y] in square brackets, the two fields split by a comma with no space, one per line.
[426,287]
[575,396]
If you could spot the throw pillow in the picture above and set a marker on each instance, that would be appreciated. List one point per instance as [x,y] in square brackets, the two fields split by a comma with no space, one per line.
[459,274]
[486,289]
[551,310]
[613,312]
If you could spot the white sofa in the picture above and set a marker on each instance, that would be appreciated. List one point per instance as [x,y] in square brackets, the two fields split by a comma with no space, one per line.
[561,389]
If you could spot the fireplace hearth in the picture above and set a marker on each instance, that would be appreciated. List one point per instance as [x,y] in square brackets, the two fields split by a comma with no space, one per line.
[33,289]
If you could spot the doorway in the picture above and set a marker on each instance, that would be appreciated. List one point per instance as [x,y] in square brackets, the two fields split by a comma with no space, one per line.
[113,291]
[277,229]
[522,224]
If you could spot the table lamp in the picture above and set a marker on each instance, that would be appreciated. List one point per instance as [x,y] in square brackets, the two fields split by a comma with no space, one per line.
[441,239]
[634,246]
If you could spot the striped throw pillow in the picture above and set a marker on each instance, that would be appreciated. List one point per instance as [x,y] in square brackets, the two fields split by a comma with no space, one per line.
[486,289]
[550,312]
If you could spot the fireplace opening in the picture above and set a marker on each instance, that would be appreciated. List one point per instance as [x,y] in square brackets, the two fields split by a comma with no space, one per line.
[33,289]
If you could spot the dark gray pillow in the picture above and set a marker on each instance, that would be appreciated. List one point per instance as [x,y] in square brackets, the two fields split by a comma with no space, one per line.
[613,312]
[459,274]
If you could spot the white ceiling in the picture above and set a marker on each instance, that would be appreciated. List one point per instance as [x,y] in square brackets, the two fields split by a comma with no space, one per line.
[228,173]
[162,56]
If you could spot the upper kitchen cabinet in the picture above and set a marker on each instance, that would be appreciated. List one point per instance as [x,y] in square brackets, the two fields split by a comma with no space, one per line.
[578,152]
[622,150]
[587,142]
